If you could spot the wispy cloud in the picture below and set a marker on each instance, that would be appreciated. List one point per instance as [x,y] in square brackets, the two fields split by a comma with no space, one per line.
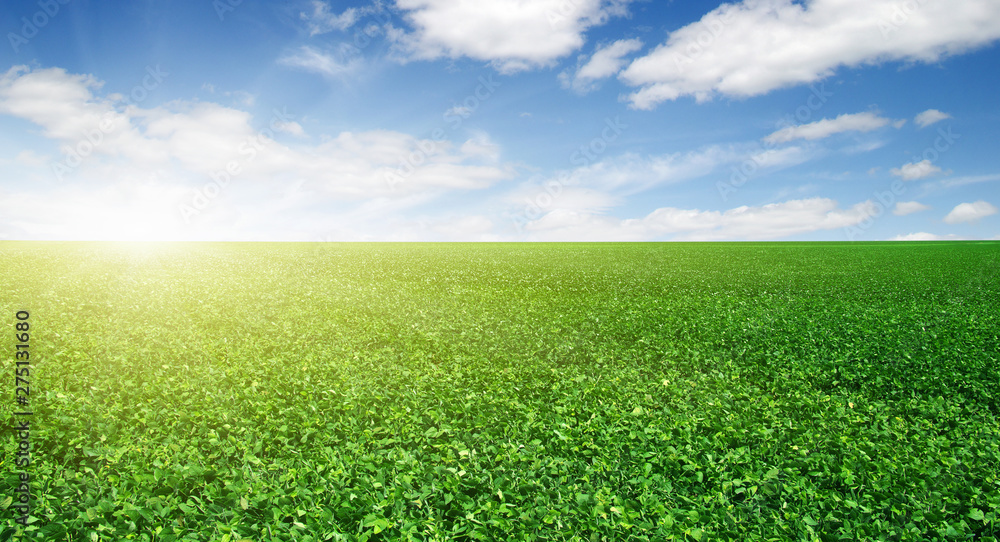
[323,20]
[904,208]
[964,180]
[342,61]
[631,173]
[924,236]
[772,221]
[856,122]
[930,117]
[290,127]
[605,62]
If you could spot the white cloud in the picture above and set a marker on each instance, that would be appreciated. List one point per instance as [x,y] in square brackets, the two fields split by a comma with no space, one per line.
[965,180]
[513,35]
[390,225]
[904,208]
[630,173]
[930,117]
[756,46]
[481,146]
[31,158]
[342,61]
[778,158]
[970,212]
[181,146]
[322,20]
[125,210]
[915,170]
[387,163]
[51,98]
[458,111]
[605,62]
[924,236]
[772,221]
[864,146]
[241,97]
[856,122]
[596,187]
[290,127]
[464,228]
[533,199]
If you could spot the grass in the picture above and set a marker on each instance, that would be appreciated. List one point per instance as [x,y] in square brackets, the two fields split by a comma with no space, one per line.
[751,391]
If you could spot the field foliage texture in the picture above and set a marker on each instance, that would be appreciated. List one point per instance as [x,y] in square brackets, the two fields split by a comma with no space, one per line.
[312,392]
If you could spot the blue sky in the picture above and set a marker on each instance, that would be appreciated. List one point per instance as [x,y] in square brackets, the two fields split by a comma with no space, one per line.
[499,120]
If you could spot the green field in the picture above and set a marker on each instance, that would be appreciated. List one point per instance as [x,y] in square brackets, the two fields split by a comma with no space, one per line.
[750,391]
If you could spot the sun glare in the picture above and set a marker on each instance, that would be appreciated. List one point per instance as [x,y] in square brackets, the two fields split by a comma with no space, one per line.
[143,214]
